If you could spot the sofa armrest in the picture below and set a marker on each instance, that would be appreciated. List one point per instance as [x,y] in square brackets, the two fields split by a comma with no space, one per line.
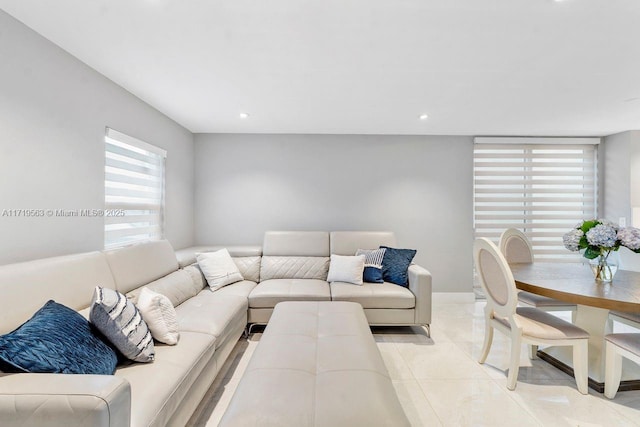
[420,285]
[64,400]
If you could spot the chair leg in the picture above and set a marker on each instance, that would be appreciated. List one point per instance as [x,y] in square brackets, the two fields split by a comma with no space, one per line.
[514,365]
[608,327]
[488,339]
[581,365]
[613,371]
[533,350]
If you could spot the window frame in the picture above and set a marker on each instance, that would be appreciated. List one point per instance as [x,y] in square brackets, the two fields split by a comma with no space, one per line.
[129,166]
[542,219]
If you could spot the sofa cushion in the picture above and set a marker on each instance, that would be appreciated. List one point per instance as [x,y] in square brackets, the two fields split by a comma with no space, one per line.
[158,312]
[239,289]
[374,295]
[157,389]
[294,267]
[270,292]
[56,340]
[121,323]
[249,267]
[197,276]
[137,265]
[178,286]
[212,313]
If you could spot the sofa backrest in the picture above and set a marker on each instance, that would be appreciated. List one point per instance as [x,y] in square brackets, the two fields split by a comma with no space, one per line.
[296,243]
[247,258]
[188,256]
[295,255]
[348,242]
[70,280]
[137,265]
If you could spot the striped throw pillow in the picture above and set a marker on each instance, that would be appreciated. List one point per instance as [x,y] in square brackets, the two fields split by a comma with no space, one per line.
[372,264]
[120,321]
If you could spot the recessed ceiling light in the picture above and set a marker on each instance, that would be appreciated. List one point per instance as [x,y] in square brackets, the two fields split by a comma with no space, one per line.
[423,116]
[244,115]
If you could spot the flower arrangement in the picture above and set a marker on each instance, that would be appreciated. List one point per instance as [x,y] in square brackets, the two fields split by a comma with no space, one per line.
[598,238]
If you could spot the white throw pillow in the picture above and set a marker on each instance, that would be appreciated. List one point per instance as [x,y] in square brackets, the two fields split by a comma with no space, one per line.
[157,310]
[218,268]
[346,269]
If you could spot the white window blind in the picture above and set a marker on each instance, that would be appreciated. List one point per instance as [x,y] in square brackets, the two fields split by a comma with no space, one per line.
[543,190]
[134,190]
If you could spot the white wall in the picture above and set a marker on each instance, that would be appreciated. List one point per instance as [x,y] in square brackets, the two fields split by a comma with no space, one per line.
[53,113]
[622,184]
[418,187]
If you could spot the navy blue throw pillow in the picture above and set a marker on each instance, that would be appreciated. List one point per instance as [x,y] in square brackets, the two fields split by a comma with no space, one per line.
[56,339]
[395,265]
[372,275]
[372,264]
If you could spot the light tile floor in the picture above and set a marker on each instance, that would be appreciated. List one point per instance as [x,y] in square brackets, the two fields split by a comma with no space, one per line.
[440,383]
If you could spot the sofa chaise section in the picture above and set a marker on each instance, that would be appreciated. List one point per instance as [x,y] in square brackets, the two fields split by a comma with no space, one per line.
[167,391]
[164,392]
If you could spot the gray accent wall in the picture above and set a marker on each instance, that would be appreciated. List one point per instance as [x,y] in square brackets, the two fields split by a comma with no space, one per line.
[53,113]
[419,187]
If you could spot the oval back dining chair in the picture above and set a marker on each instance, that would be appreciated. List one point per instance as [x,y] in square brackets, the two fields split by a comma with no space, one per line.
[516,248]
[625,317]
[526,325]
[628,318]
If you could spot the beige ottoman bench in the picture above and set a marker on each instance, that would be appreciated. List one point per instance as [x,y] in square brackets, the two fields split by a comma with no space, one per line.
[316,364]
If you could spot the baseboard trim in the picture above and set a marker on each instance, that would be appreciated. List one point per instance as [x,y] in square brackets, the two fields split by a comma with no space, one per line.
[453,297]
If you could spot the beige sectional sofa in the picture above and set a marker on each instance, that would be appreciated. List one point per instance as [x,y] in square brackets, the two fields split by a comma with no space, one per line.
[291,266]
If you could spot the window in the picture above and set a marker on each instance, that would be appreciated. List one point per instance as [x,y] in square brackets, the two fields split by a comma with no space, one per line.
[134,190]
[540,188]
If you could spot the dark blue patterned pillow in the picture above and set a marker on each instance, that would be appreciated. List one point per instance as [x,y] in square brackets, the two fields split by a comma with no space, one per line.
[395,264]
[56,339]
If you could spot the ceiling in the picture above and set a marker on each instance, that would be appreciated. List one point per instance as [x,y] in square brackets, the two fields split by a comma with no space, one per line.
[476,67]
